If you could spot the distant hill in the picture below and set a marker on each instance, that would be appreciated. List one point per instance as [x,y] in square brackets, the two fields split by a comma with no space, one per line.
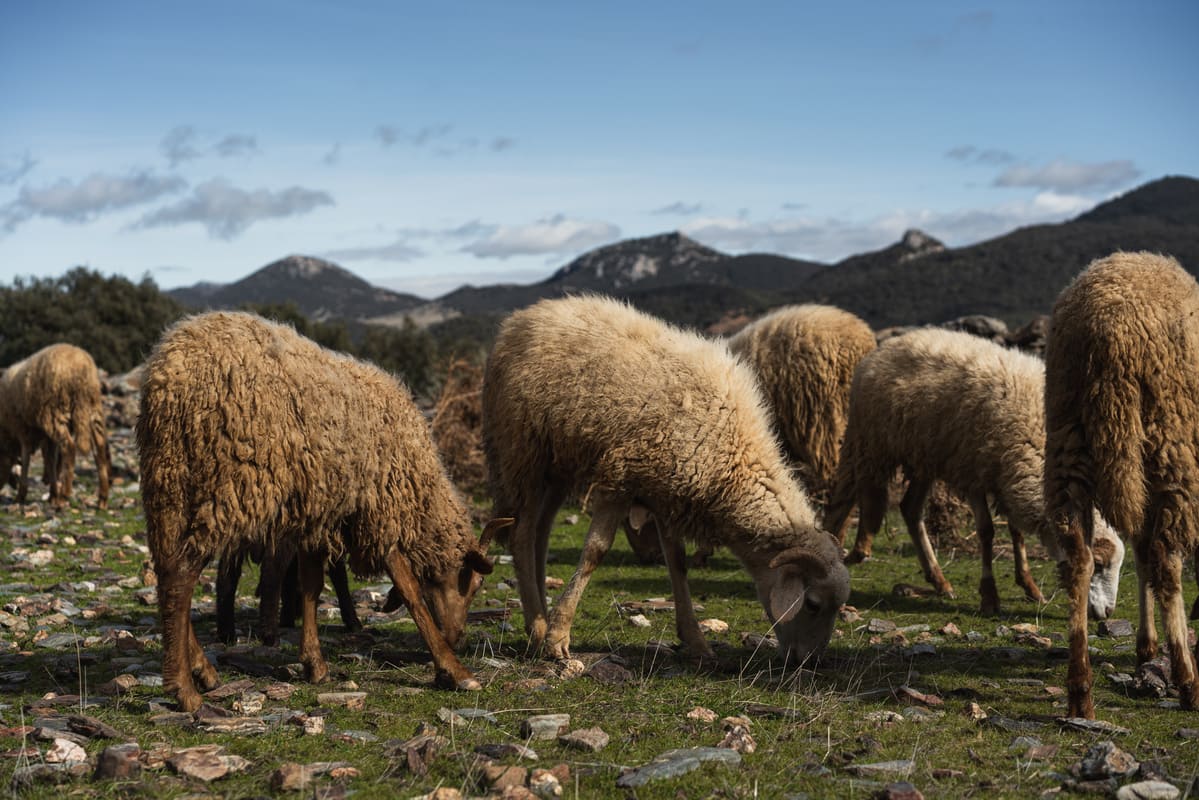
[916,280]
[320,289]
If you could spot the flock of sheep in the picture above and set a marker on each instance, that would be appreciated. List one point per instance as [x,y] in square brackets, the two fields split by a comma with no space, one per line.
[253,439]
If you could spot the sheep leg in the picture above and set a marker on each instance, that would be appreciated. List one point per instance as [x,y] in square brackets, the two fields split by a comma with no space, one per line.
[345,600]
[1077,571]
[1168,573]
[312,580]
[280,574]
[605,518]
[450,672]
[987,590]
[103,465]
[1024,577]
[60,490]
[227,577]
[912,509]
[1146,624]
[181,653]
[872,507]
[23,480]
[685,623]
[529,544]
[551,500]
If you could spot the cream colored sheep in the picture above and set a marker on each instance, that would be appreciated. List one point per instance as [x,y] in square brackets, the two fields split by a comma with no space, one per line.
[1122,416]
[51,400]
[250,434]
[587,395]
[805,357]
[951,406]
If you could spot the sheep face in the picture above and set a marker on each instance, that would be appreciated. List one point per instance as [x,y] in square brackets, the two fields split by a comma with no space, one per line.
[1108,551]
[448,596]
[805,592]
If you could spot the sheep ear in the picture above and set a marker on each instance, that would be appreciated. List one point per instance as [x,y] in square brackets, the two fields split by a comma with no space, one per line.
[786,598]
[479,562]
[394,600]
[499,523]
[638,516]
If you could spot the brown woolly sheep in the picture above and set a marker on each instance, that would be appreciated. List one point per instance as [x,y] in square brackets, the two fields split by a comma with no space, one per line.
[51,400]
[949,405]
[250,434]
[805,357]
[1122,419]
[587,395]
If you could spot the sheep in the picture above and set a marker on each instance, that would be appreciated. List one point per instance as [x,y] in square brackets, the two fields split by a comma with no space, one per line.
[587,395]
[949,405]
[51,400]
[251,435]
[1122,420]
[805,357]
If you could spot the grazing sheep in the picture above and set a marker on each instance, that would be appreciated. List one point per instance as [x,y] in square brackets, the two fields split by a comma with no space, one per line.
[51,400]
[1122,420]
[587,395]
[951,406]
[250,434]
[805,357]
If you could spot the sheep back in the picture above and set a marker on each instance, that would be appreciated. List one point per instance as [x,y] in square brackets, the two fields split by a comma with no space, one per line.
[54,393]
[805,358]
[249,432]
[587,391]
[1122,404]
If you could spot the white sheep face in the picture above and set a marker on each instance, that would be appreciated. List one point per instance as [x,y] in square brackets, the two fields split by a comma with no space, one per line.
[1108,552]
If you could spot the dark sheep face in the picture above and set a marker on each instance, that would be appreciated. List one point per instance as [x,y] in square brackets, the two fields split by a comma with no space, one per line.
[804,601]
[448,596]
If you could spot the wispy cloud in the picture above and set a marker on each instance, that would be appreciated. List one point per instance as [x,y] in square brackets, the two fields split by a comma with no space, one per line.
[1070,176]
[556,235]
[333,156]
[389,135]
[399,250]
[973,155]
[437,139]
[971,23]
[227,211]
[81,202]
[236,144]
[833,239]
[185,143]
[501,143]
[12,170]
[679,208]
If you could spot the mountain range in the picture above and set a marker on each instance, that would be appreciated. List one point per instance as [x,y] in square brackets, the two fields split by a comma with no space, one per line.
[916,280]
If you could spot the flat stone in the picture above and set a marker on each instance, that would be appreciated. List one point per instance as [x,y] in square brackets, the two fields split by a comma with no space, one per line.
[1116,628]
[674,763]
[589,739]
[507,750]
[1148,790]
[291,776]
[901,790]
[121,684]
[1093,726]
[1187,733]
[119,762]
[354,701]
[500,776]
[205,763]
[1105,760]
[64,751]
[702,714]
[766,710]
[543,783]
[464,716]
[881,769]
[238,726]
[877,625]
[639,621]
[545,726]
[716,626]
[608,672]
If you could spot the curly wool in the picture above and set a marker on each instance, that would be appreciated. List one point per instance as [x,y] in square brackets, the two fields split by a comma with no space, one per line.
[805,358]
[586,391]
[250,433]
[1123,399]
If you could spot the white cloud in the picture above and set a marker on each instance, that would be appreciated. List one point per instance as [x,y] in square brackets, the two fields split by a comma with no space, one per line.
[226,211]
[333,156]
[83,201]
[236,144]
[679,208]
[179,145]
[555,235]
[398,250]
[389,135]
[973,155]
[1070,176]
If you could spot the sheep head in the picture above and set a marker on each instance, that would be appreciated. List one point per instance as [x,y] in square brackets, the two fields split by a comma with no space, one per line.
[1107,549]
[802,592]
[448,595]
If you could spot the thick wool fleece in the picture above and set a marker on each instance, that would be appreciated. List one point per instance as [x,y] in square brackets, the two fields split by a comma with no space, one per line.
[805,358]
[250,433]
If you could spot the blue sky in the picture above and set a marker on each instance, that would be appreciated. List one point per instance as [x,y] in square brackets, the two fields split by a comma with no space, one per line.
[426,146]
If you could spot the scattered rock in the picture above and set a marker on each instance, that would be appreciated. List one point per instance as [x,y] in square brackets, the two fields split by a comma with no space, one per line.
[1093,726]
[1148,790]
[499,777]
[121,684]
[639,621]
[507,750]
[1043,752]
[237,726]
[708,715]
[1116,628]
[899,791]
[64,751]
[716,626]
[290,777]
[1187,733]
[765,710]
[571,668]
[464,716]
[545,726]
[674,763]
[589,739]
[354,701]
[119,762]
[910,695]
[1152,678]
[607,671]
[205,763]
[545,784]
[884,717]
[901,768]
[1104,760]
[879,626]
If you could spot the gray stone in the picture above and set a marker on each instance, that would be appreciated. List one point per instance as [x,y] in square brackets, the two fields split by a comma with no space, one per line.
[1116,628]
[1105,760]
[506,750]
[545,726]
[119,762]
[591,739]
[1148,790]
[674,763]
[882,769]
[464,716]
[1093,726]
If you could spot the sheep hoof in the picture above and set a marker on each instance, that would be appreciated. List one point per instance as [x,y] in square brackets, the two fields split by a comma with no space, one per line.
[189,700]
[469,685]
[856,557]
[559,650]
[206,676]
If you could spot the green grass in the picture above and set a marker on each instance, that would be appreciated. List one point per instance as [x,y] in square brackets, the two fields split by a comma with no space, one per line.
[838,723]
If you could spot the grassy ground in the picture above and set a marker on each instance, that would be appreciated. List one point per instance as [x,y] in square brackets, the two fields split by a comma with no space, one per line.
[841,717]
